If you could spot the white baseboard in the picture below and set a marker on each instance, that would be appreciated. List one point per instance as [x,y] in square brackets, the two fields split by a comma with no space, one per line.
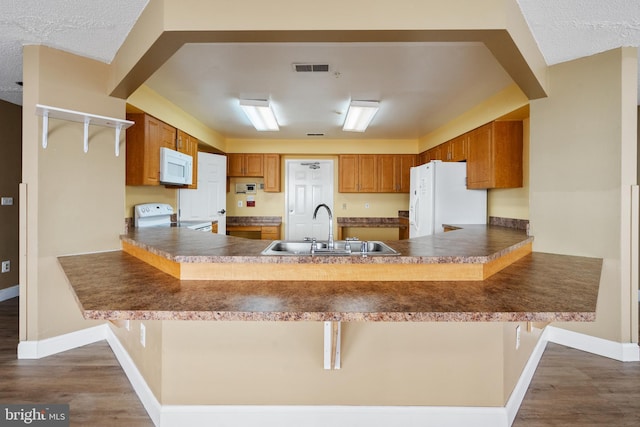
[337,416]
[518,393]
[49,346]
[136,379]
[9,293]
[624,352]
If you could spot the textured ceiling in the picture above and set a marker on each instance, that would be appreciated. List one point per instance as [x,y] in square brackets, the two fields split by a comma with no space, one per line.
[90,28]
[564,29]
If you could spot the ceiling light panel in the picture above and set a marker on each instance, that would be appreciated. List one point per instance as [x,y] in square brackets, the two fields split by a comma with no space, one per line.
[260,114]
[360,115]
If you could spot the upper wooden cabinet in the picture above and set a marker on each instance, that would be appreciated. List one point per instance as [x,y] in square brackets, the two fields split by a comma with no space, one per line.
[144,140]
[245,164]
[495,155]
[374,173]
[394,172]
[456,149]
[357,173]
[272,173]
[188,144]
[256,165]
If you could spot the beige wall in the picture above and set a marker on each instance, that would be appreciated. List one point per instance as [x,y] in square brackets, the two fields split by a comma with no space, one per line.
[75,200]
[583,163]
[10,177]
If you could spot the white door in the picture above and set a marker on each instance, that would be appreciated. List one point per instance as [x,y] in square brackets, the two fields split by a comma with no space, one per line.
[309,183]
[209,200]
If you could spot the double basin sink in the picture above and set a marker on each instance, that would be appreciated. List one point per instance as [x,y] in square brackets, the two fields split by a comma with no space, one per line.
[340,248]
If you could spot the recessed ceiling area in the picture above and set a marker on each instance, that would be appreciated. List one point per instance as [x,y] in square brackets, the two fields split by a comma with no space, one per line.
[420,85]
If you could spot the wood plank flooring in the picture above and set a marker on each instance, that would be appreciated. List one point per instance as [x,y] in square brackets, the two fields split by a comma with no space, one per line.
[88,378]
[569,388]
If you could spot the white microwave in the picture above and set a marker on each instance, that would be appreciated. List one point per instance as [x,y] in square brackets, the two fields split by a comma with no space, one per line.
[175,167]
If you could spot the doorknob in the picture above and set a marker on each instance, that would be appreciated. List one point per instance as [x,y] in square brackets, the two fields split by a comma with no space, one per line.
[222,212]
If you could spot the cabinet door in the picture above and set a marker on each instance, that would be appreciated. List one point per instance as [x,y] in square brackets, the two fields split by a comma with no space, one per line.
[151,152]
[480,160]
[272,173]
[348,173]
[458,148]
[254,165]
[435,153]
[387,173]
[423,158]
[235,164]
[404,164]
[187,144]
[167,136]
[367,173]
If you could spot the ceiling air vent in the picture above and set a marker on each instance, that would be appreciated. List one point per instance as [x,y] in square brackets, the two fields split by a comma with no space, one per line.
[311,68]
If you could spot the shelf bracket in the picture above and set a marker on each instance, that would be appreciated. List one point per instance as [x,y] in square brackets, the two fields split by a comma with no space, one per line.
[86,118]
[332,345]
[45,128]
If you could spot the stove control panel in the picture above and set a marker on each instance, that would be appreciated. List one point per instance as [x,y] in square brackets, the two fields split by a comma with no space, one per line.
[152,209]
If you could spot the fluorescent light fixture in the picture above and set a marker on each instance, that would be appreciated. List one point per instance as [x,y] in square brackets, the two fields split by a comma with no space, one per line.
[359,115]
[260,114]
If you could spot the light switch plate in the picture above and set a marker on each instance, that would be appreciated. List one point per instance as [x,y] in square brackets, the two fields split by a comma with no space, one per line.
[7,201]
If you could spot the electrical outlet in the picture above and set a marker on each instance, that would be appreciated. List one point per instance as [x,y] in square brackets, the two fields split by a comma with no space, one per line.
[517,337]
[143,335]
[127,324]
[7,201]
[366,205]
[344,206]
[239,203]
[6,266]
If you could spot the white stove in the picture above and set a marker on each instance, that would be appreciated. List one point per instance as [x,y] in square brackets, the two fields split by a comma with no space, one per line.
[160,214]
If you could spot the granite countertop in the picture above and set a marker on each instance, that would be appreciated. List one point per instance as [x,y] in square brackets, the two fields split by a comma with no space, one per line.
[254,221]
[538,287]
[472,244]
[369,222]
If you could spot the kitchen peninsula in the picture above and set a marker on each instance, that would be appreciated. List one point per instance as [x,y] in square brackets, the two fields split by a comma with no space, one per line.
[525,287]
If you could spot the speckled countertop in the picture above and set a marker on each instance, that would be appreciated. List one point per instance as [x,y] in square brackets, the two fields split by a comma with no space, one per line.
[369,222]
[254,221]
[472,244]
[538,287]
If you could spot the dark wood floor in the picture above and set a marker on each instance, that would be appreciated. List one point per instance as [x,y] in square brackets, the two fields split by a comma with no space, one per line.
[569,388]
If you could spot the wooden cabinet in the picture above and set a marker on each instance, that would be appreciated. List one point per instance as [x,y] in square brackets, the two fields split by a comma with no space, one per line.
[348,173]
[272,173]
[187,144]
[495,155]
[394,172]
[241,164]
[367,173]
[403,230]
[357,173]
[456,149]
[375,173]
[144,140]
[256,165]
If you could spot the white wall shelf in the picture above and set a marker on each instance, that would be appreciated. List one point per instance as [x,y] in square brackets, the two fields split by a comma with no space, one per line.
[47,111]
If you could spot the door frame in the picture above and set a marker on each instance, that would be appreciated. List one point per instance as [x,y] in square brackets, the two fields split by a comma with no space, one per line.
[331,163]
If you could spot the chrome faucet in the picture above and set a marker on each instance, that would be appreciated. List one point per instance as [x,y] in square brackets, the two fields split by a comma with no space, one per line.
[322,205]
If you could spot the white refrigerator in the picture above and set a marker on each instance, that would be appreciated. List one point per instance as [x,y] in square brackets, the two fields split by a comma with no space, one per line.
[439,195]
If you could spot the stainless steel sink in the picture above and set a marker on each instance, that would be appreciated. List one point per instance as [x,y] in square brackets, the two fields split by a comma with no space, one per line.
[340,248]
